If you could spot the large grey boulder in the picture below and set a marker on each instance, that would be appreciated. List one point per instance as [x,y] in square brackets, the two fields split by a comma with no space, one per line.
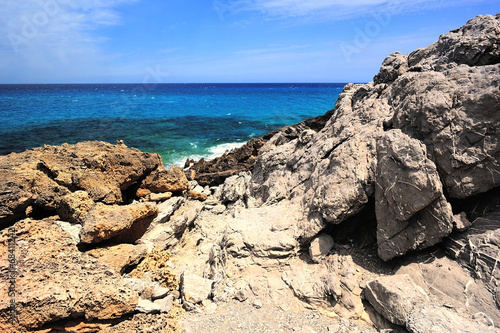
[474,44]
[412,212]
[455,114]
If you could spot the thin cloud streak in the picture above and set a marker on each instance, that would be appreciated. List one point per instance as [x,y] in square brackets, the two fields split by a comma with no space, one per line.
[322,10]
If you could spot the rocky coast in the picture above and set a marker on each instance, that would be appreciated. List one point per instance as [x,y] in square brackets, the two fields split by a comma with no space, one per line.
[382,215]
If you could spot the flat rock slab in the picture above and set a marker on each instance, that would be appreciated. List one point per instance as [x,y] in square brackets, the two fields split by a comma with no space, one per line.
[120,256]
[194,288]
[394,297]
[262,232]
[429,318]
[123,223]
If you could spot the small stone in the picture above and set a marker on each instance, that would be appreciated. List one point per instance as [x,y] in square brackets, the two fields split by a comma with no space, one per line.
[461,222]
[157,197]
[195,289]
[175,293]
[71,229]
[146,306]
[165,304]
[241,295]
[136,284]
[159,292]
[197,195]
[320,247]
[219,209]
[142,192]
[198,188]
[147,293]
[257,304]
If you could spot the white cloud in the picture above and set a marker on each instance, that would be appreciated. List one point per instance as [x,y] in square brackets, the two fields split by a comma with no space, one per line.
[318,10]
[48,35]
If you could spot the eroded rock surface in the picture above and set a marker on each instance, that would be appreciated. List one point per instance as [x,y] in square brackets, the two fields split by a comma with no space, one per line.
[55,280]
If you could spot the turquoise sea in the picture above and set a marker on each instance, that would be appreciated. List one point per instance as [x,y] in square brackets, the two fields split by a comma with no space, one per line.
[178,121]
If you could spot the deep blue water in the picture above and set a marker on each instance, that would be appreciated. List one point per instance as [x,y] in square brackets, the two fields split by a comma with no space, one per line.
[178,121]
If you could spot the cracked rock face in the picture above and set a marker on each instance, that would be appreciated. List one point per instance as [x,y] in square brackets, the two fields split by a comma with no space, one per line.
[443,102]
[411,210]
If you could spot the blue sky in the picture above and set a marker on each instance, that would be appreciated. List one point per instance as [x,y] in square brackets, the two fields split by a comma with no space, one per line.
[170,41]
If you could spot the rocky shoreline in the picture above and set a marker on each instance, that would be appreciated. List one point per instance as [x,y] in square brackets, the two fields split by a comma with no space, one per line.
[381,215]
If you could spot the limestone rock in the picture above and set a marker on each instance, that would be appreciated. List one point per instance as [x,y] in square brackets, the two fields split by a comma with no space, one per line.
[236,188]
[261,232]
[75,206]
[195,289]
[320,247]
[146,306]
[451,285]
[474,44]
[160,181]
[412,212]
[431,318]
[330,175]
[136,284]
[478,248]
[461,222]
[332,284]
[122,223]
[166,209]
[392,67]
[165,304]
[157,197]
[71,229]
[459,129]
[167,231]
[56,281]
[42,176]
[395,297]
[121,256]
[159,292]
[197,195]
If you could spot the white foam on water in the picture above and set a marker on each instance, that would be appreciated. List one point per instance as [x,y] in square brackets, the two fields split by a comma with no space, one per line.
[219,150]
[213,152]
